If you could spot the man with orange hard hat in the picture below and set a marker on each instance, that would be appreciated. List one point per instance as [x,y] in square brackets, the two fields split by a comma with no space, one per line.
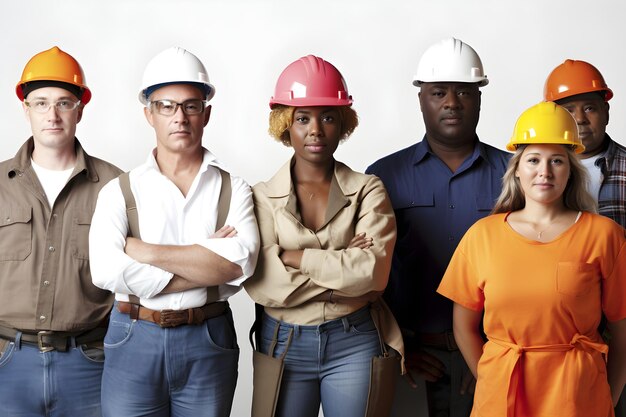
[580,88]
[52,318]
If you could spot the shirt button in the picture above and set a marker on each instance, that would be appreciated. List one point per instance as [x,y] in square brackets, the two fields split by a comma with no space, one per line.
[54,215]
[451,206]
[450,238]
[46,283]
[8,219]
[42,318]
[51,249]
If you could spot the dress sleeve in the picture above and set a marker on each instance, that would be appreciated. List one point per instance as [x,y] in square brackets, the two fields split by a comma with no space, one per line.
[460,282]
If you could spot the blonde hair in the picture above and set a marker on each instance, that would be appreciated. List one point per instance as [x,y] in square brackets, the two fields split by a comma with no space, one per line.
[281,119]
[575,197]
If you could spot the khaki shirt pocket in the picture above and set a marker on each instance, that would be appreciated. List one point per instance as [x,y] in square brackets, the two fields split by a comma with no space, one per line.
[576,279]
[15,233]
[80,234]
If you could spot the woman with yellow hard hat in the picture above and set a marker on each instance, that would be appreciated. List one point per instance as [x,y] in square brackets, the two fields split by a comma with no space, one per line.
[543,269]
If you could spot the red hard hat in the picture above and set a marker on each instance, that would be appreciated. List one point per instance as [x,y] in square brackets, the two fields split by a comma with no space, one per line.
[311,81]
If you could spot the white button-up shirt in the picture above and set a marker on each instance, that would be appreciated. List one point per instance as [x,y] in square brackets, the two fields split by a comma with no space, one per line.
[167,217]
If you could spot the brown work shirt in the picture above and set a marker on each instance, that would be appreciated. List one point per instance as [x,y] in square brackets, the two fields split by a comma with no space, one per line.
[45,281]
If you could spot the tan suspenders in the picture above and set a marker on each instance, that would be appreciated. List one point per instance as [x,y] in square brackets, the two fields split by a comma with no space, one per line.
[223,207]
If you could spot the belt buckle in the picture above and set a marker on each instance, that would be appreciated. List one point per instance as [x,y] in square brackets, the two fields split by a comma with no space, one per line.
[173,318]
[40,342]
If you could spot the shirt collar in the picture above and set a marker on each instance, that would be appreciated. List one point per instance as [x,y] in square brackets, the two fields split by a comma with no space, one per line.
[21,161]
[208,159]
[422,150]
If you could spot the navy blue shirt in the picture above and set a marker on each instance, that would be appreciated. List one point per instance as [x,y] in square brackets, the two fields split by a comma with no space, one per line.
[434,207]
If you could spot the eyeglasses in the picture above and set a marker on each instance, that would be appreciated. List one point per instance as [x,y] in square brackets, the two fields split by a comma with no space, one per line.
[169,107]
[42,106]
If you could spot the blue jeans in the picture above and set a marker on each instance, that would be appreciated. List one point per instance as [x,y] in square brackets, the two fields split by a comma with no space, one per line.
[50,384]
[328,364]
[185,371]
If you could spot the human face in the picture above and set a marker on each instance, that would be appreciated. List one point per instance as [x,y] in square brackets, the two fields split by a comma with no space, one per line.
[179,133]
[592,116]
[315,133]
[53,129]
[450,111]
[543,172]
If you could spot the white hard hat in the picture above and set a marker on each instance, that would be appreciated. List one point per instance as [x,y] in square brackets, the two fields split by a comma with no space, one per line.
[174,65]
[450,60]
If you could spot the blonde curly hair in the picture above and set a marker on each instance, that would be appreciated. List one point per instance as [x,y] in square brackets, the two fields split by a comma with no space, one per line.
[281,119]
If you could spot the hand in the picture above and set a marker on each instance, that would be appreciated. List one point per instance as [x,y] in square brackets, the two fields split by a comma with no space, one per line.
[360,241]
[425,365]
[292,258]
[468,382]
[225,231]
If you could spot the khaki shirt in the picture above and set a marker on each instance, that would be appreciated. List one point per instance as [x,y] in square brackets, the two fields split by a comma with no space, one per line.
[356,203]
[45,282]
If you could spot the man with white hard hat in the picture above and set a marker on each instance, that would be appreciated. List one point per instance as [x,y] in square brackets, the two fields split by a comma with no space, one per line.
[173,239]
[438,187]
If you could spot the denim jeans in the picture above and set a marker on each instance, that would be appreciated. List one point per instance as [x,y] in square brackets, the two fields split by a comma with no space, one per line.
[184,371]
[328,364]
[50,384]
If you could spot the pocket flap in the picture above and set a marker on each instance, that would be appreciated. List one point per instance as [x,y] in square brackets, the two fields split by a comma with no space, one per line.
[15,214]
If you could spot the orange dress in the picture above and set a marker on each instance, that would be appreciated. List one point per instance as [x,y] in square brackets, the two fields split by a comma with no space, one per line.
[543,304]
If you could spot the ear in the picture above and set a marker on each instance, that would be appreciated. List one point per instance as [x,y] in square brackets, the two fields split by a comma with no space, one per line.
[207,114]
[149,116]
[608,107]
[79,115]
[26,109]
[480,97]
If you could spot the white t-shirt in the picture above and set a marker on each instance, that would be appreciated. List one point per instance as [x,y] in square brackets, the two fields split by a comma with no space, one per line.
[595,175]
[52,181]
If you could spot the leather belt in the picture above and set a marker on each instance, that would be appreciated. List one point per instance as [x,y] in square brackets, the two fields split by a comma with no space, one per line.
[47,340]
[173,318]
[443,340]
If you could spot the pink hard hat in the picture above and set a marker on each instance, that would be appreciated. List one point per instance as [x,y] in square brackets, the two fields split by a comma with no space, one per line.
[311,81]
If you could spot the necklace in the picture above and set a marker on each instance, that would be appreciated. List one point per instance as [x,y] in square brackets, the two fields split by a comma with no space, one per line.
[541,232]
[311,195]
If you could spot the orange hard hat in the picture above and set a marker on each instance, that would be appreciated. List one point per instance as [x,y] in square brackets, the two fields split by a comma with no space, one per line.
[54,65]
[572,78]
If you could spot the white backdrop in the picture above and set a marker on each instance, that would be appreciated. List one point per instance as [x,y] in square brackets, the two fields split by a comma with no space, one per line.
[246,44]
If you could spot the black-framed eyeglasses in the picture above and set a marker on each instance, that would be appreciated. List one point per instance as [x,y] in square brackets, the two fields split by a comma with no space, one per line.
[42,106]
[169,107]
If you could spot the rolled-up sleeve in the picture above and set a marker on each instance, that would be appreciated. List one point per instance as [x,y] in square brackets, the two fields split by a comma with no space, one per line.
[111,268]
[242,249]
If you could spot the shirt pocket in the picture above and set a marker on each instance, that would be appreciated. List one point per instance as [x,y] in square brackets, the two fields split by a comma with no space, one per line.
[15,233]
[417,200]
[484,203]
[80,235]
[576,279]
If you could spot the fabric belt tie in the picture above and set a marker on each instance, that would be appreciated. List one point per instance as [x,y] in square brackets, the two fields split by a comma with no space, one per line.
[173,318]
[47,340]
[515,352]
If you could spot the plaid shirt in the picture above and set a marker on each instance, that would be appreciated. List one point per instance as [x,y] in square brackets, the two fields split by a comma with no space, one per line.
[612,199]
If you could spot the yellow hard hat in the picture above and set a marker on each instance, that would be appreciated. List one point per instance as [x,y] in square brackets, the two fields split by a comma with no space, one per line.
[54,65]
[546,123]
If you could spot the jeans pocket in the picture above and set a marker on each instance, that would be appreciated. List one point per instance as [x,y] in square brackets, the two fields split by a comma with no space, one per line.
[220,332]
[118,333]
[92,354]
[366,327]
[6,351]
